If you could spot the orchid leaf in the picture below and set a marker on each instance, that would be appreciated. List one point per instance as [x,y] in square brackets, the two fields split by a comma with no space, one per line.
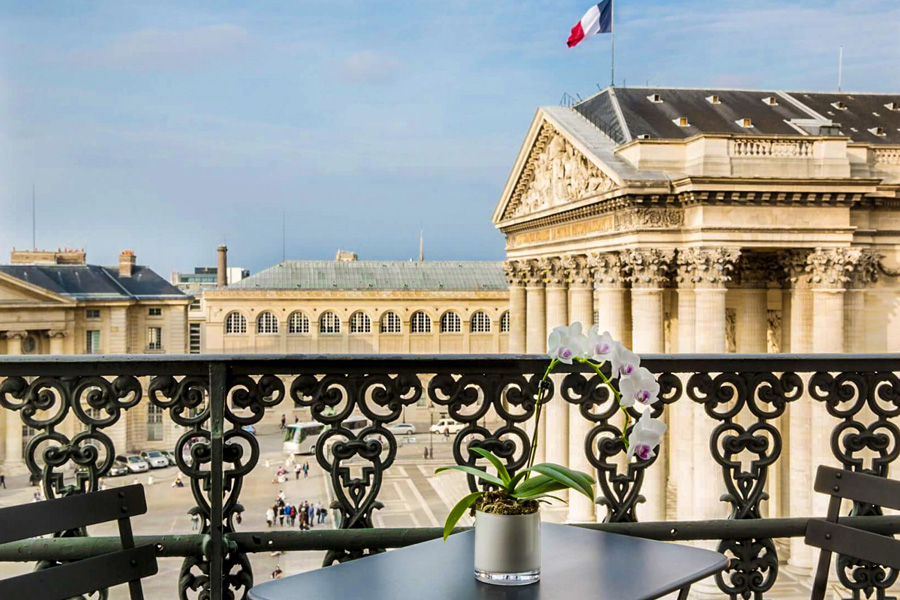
[565,476]
[474,471]
[538,486]
[498,464]
[515,481]
[458,511]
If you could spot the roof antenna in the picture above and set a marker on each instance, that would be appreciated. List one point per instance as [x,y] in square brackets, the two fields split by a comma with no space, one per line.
[283,236]
[840,66]
[33,219]
[421,245]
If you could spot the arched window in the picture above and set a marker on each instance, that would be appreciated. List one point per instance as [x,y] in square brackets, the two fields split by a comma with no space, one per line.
[504,322]
[266,323]
[298,323]
[481,323]
[451,323]
[390,323]
[360,323]
[420,323]
[235,323]
[329,323]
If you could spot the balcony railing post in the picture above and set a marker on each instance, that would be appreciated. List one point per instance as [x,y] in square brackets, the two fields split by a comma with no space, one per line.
[218,386]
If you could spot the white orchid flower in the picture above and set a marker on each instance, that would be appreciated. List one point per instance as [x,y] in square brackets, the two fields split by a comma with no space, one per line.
[625,363]
[639,387]
[602,346]
[568,343]
[645,436]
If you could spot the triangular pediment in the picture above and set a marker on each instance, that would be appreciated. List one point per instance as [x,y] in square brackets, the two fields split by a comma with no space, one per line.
[15,291]
[552,170]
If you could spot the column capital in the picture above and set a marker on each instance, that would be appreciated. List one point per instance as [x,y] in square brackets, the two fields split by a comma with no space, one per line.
[17,334]
[755,270]
[578,269]
[531,271]
[794,264]
[608,269]
[553,271]
[648,267]
[707,267]
[831,268]
[867,269]
[516,272]
[57,333]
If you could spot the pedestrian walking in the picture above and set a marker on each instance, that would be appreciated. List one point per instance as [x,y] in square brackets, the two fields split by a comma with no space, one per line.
[296,419]
[281,516]
[3,480]
[270,516]
[426,452]
[292,517]
[287,513]
[195,522]
[297,469]
[283,421]
[305,470]
[310,510]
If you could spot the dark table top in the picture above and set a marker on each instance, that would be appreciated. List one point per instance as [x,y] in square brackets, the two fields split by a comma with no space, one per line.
[576,563]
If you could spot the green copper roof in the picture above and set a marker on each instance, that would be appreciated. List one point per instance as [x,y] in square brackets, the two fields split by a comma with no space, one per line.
[376,275]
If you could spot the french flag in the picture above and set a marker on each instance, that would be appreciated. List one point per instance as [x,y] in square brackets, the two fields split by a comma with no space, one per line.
[598,19]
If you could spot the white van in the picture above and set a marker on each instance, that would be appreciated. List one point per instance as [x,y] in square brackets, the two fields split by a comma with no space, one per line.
[447,426]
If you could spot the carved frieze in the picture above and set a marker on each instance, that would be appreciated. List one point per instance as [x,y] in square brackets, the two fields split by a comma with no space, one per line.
[730,330]
[773,331]
[648,267]
[555,173]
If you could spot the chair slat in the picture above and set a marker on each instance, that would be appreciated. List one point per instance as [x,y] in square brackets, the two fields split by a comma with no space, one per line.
[858,486]
[854,542]
[84,576]
[40,518]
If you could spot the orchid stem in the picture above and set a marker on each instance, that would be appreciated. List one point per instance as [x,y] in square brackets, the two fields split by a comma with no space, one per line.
[537,413]
[616,393]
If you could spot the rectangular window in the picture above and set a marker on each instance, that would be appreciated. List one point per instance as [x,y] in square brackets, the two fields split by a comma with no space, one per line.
[154,338]
[195,343]
[195,305]
[92,313]
[92,341]
[154,423]
[155,312]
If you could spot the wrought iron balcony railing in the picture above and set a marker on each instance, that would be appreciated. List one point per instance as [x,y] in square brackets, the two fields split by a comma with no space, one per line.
[215,397]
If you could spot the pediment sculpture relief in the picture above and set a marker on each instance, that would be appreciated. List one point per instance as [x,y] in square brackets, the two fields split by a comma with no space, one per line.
[555,173]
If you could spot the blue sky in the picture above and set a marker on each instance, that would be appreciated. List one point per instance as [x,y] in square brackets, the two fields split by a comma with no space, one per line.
[167,127]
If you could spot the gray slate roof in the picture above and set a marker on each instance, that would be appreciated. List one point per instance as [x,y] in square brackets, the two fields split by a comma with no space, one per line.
[641,116]
[378,276]
[92,282]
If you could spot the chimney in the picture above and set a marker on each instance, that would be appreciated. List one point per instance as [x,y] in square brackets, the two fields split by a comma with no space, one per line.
[126,263]
[222,267]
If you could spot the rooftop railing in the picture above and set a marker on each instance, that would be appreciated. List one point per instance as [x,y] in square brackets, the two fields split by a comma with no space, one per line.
[215,396]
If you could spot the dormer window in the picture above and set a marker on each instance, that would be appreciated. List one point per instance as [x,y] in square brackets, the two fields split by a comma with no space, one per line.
[655,98]
[839,105]
[714,99]
[681,122]
[644,136]
[771,100]
[745,122]
[879,131]
[893,106]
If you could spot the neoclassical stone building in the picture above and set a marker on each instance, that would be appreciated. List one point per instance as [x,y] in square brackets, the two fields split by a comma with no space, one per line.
[53,302]
[708,221]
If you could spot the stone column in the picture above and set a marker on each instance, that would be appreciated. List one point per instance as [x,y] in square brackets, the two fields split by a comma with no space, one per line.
[536,333]
[515,275]
[797,454]
[752,278]
[709,271]
[581,293]
[610,292]
[865,273]
[58,341]
[681,414]
[556,416]
[13,459]
[647,269]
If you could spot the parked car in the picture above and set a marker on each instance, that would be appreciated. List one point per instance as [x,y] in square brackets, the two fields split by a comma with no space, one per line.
[135,463]
[447,426]
[402,428]
[118,469]
[155,458]
[170,456]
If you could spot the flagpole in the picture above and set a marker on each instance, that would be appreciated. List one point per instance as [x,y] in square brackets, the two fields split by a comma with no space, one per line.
[612,30]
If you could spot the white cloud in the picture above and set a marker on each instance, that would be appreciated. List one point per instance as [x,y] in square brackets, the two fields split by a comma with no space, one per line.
[369,66]
[167,49]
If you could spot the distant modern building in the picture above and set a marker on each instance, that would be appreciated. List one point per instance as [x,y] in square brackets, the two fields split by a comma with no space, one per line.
[53,302]
[203,278]
[709,220]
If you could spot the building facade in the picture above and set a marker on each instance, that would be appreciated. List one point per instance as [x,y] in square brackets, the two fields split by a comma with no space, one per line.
[708,221]
[56,303]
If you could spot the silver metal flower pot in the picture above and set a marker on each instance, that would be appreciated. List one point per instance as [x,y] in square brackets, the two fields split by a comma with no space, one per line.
[507,548]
